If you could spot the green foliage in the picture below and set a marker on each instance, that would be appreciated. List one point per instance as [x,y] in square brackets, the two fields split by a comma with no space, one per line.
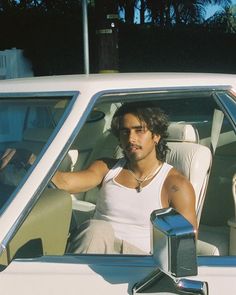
[224,21]
[168,13]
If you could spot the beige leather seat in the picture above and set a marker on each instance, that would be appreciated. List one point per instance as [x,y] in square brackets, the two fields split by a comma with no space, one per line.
[194,161]
[190,158]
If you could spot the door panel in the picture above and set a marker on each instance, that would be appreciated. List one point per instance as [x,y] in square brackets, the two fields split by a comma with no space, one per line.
[74,275]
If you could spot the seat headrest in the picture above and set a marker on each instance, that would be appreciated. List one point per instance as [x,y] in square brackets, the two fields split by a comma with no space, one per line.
[182,132]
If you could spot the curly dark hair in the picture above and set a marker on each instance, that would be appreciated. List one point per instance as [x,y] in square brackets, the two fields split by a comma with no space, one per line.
[155,119]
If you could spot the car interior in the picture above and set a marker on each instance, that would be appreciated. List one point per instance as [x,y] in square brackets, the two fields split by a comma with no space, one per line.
[202,145]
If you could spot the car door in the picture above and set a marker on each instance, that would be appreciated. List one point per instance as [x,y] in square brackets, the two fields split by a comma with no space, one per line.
[220,271]
[47,270]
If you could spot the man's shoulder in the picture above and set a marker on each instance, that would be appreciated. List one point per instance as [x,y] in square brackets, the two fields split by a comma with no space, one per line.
[175,177]
[108,162]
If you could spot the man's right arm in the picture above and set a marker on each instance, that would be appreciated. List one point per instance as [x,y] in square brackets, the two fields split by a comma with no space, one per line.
[84,180]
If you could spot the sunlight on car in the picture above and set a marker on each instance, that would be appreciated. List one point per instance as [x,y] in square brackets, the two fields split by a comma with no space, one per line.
[88,181]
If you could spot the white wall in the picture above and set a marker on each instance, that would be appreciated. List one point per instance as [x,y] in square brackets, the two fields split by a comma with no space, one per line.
[13,64]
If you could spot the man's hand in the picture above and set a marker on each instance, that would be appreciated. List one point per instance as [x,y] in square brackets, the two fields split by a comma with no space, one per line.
[6,158]
[21,158]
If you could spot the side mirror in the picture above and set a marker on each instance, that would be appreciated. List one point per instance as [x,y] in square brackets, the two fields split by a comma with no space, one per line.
[174,250]
[173,243]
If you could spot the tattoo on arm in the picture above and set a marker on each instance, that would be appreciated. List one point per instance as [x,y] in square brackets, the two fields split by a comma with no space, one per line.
[174,188]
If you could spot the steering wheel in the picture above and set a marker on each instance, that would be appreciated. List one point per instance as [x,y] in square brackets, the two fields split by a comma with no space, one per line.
[20,158]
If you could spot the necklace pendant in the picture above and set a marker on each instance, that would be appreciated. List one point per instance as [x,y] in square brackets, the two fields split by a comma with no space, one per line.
[139,188]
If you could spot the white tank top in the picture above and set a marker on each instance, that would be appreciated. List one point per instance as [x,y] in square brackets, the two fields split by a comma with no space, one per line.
[127,210]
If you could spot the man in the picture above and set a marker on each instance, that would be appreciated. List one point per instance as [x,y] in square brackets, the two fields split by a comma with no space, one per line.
[130,188]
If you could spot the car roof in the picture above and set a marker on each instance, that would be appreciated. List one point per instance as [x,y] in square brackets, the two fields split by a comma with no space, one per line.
[94,83]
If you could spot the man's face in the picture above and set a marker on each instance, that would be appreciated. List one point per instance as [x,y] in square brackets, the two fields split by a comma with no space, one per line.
[136,140]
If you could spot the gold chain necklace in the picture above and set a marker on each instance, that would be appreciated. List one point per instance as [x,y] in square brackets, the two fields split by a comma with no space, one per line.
[147,177]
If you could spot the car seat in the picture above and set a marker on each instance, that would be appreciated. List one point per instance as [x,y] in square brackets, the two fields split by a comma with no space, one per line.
[191,158]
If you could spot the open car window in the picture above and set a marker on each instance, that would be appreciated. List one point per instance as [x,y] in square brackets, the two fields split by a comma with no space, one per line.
[62,213]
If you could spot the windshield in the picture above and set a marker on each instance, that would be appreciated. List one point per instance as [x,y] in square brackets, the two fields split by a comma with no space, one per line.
[25,126]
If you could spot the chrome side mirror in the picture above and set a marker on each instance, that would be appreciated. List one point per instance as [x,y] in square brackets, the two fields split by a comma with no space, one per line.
[173,243]
[174,250]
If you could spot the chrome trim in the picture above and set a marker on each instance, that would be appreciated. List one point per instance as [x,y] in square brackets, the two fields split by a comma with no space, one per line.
[108,95]
[106,259]
[133,260]
[192,287]
[171,222]
[227,102]
[154,282]
[216,261]
[37,94]
[153,277]
[173,243]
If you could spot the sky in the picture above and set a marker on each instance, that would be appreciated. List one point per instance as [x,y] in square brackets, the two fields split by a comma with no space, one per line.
[213,8]
[210,10]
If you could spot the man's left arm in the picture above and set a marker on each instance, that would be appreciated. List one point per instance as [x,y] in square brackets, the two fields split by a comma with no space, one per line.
[181,196]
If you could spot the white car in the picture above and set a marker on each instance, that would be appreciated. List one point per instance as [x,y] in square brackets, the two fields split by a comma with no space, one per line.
[65,122]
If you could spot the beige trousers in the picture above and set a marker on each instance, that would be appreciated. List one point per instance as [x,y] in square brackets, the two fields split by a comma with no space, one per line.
[97,237]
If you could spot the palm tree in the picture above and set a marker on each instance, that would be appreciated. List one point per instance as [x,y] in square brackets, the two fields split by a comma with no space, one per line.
[224,20]
[7,4]
[157,11]
[128,6]
[166,13]
[189,12]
